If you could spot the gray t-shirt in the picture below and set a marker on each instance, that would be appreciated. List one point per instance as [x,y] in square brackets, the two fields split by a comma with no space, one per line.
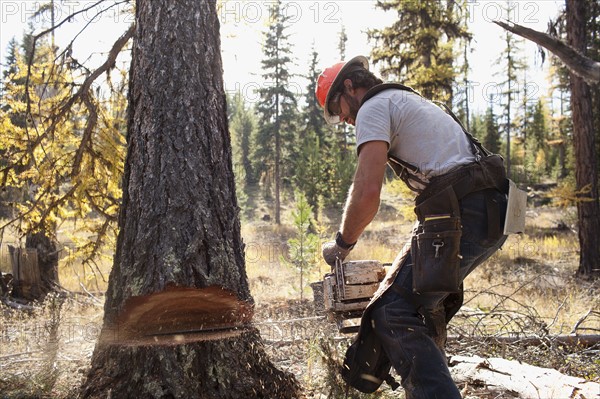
[417,131]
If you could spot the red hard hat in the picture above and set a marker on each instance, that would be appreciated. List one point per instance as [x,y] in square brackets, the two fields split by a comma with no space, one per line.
[330,77]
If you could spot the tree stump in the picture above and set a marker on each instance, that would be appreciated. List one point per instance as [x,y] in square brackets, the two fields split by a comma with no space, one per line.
[27,280]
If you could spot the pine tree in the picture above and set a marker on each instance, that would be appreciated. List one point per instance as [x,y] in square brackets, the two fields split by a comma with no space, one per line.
[11,59]
[512,63]
[341,157]
[312,112]
[242,128]
[478,126]
[558,76]
[311,161]
[342,40]
[537,130]
[584,135]
[179,263]
[418,48]
[539,154]
[491,134]
[463,111]
[275,141]
[346,136]
[303,245]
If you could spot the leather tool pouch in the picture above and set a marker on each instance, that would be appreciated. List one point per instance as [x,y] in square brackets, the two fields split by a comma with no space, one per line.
[435,253]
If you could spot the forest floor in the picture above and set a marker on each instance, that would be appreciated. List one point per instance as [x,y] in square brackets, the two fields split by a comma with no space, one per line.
[527,289]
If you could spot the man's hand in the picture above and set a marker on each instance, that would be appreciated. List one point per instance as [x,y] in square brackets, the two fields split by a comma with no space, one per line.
[332,252]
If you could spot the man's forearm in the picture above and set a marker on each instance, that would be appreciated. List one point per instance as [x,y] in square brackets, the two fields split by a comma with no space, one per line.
[363,199]
[360,209]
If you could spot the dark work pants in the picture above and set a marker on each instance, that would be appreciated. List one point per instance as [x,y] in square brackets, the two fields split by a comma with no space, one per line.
[416,352]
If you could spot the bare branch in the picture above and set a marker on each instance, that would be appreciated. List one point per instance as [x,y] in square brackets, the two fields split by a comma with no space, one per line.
[107,65]
[87,133]
[69,46]
[32,55]
[582,66]
[581,320]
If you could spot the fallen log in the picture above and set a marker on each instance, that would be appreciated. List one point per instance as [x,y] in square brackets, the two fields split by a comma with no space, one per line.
[574,340]
[520,380]
[15,305]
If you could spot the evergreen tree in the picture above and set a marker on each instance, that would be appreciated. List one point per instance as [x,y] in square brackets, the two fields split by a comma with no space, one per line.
[303,246]
[27,43]
[312,112]
[584,136]
[491,135]
[344,133]
[559,92]
[343,39]
[179,262]
[463,105]
[512,63]
[308,170]
[275,138]
[242,127]
[478,126]
[11,78]
[539,154]
[419,47]
[11,59]
[593,52]
[341,158]
[537,130]
[312,162]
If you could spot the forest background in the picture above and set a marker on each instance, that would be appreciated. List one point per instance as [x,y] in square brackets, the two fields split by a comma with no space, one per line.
[292,171]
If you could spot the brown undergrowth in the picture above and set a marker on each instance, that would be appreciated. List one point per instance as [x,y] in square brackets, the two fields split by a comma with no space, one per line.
[525,290]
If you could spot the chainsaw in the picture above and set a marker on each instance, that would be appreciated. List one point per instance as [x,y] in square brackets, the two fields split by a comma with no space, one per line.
[345,292]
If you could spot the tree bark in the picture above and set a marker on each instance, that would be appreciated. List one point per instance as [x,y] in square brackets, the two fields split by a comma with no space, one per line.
[586,171]
[47,255]
[178,305]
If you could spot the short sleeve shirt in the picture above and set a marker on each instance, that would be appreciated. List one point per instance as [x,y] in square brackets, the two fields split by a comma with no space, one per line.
[417,132]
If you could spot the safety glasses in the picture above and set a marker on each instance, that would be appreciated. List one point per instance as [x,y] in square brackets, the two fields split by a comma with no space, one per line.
[335,108]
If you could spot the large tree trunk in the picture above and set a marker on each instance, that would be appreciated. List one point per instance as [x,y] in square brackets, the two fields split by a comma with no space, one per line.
[179,263]
[586,174]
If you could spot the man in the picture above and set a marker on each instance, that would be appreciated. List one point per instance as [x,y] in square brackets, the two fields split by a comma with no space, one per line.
[461,205]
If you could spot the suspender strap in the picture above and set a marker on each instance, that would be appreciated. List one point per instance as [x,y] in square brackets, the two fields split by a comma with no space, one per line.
[385,86]
[476,145]
[478,149]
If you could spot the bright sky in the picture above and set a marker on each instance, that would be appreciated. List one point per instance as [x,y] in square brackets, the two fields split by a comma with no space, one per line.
[312,22]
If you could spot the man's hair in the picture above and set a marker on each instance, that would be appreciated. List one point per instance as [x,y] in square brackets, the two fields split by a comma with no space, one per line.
[363,78]
[360,77]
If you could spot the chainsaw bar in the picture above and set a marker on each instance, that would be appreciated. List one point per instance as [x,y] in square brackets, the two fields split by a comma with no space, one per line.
[201,330]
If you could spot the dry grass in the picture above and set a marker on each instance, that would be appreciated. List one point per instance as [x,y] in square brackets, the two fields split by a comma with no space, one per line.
[527,288]
[45,352]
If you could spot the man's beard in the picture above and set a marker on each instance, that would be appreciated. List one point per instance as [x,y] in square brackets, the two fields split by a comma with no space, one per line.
[353,106]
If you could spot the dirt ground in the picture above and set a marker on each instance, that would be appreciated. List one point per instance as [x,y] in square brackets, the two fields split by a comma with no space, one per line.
[45,350]
[41,359]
